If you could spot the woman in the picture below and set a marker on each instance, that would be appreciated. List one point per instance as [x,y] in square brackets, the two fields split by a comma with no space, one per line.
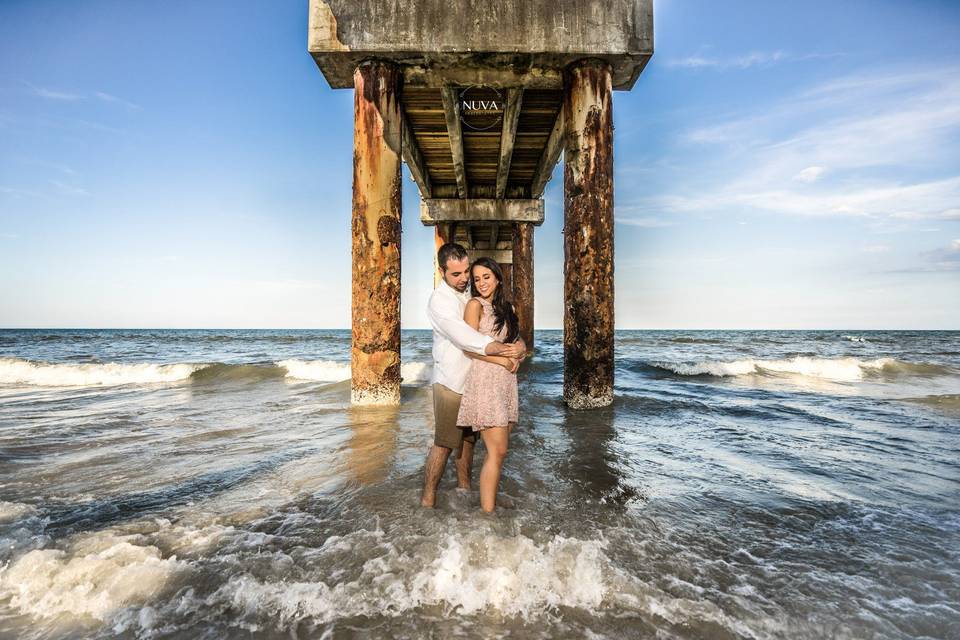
[490,401]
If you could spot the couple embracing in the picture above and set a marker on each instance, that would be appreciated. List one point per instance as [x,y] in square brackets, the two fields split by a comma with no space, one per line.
[476,353]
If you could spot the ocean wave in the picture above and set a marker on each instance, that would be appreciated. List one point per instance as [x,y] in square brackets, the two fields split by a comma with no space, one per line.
[513,576]
[95,577]
[48,374]
[12,511]
[333,371]
[947,402]
[837,369]
[15,371]
[686,340]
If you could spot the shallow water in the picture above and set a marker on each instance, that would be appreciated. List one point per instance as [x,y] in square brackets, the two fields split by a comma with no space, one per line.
[204,484]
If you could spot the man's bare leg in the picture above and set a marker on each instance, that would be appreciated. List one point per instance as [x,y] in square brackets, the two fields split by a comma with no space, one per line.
[464,464]
[433,471]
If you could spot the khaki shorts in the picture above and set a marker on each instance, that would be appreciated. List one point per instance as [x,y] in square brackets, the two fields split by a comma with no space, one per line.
[446,406]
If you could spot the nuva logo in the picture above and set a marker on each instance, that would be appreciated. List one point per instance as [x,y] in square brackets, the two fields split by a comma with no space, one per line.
[481,107]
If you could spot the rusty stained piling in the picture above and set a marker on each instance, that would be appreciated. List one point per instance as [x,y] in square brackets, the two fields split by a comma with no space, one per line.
[440,235]
[377,136]
[523,279]
[588,235]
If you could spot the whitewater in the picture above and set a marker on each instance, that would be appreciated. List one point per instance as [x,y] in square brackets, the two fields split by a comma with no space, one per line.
[217,483]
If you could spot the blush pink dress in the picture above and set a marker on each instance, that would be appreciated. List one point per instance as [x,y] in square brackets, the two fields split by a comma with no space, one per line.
[490,396]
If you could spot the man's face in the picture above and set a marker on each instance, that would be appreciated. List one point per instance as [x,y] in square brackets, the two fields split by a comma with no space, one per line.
[457,274]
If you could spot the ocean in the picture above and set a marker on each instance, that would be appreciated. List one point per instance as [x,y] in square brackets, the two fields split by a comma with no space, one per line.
[744,484]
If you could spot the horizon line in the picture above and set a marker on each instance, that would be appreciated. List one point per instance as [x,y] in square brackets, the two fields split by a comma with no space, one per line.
[109,328]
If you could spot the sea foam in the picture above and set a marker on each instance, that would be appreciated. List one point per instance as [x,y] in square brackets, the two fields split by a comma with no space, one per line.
[15,371]
[332,371]
[46,374]
[836,369]
[514,576]
[95,577]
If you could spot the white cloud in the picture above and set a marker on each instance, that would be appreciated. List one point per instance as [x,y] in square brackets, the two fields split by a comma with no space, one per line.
[925,200]
[647,222]
[106,97]
[810,174]
[943,258]
[66,96]
[69,189]
[743,61]
[52,94]
[876,248]
[863,127]
[752,59]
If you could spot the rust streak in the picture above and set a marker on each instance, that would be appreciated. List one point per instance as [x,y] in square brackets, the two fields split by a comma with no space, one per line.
[588,236]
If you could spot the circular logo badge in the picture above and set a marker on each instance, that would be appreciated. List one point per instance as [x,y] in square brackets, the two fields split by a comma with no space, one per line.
[481,107]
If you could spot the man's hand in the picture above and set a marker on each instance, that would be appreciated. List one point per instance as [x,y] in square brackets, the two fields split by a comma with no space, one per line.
[517,350]
[512,364]
[523,345]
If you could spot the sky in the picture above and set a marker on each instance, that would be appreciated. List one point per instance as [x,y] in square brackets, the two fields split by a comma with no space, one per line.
[184,164]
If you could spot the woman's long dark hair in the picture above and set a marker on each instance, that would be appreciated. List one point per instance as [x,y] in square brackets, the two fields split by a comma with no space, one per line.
[503,312]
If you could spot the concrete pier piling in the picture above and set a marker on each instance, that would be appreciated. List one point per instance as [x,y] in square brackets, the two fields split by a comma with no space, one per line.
[377,135]
[588,235]
[523,279]
[479,100]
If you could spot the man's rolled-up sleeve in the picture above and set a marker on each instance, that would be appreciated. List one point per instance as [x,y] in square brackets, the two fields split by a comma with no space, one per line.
[445,318]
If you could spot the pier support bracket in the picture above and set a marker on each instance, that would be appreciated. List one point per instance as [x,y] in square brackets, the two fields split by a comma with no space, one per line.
[588,235]
[377,151]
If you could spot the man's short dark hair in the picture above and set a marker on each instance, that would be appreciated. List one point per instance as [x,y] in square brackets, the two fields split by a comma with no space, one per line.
[450,251]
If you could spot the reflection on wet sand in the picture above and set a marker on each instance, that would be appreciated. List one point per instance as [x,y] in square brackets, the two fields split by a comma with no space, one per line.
[372,446]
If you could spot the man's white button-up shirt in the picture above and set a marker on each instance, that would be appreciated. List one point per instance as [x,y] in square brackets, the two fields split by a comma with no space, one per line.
[452,336]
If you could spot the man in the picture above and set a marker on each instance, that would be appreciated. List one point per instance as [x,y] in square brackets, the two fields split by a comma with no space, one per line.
[451,337]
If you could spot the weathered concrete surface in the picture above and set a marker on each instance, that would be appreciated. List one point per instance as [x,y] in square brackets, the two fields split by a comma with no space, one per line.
[437,210]
[451,113]
[414,159]
[508,135]
[588,236]
[377,135]
[492,42]
[440,235]
[507,284]
[523,279]
[549,158]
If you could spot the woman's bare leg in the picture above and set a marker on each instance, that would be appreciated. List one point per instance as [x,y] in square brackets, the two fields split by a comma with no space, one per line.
[495,440]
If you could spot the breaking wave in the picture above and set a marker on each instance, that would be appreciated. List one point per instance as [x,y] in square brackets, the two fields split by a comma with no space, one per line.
[94,577]
[513,576]
[330,371]
[47,374]
[947,402]
[16,371]
[838,369]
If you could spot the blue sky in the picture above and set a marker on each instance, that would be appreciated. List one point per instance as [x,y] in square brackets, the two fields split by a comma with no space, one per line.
[184,164]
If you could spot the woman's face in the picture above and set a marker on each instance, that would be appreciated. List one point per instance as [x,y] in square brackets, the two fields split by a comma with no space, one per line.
[485,281]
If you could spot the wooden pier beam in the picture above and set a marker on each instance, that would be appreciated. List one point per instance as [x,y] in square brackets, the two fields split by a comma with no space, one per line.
[523,279]
[588,235]
[377,150]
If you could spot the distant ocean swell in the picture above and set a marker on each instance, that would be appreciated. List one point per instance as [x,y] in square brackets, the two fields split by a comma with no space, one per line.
[16,371]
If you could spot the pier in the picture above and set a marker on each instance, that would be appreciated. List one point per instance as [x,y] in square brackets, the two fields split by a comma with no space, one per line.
[479,99]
